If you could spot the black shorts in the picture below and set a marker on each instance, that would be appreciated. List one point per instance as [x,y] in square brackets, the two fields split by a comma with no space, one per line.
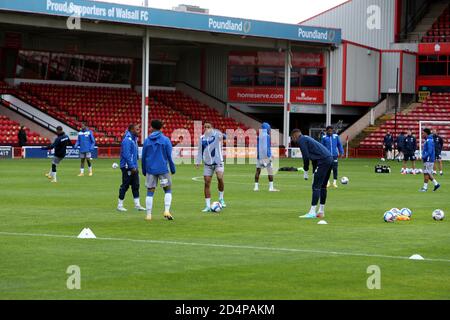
[409,157]
[438,156]
[388,148]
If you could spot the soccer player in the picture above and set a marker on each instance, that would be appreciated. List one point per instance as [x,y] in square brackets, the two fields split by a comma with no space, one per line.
[438,146]
[321,156]
[388,141]
[86,143]
[129,168]
[211,154]
[156,158]
[60,145]
[332,142]
[400,141]
[428,157]
[409,149]
[264,156]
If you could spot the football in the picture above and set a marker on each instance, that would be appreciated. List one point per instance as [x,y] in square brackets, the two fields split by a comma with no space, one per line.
[389,216]
[438,215]
[406,212]
[344,180]
[115,165]
[395,211]
[216,207]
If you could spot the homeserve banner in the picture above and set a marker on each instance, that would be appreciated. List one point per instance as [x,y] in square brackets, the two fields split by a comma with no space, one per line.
[173,19]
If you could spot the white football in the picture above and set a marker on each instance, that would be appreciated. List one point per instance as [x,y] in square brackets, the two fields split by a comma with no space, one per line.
[216,207]
[389,217]
[115,165]
[344,180]
[383,159]
[438,215]
[406,212]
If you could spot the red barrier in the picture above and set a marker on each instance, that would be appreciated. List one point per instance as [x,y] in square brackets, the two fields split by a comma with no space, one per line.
[108,152]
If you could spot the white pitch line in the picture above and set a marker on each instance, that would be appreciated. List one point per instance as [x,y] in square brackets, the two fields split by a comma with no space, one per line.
[227,246]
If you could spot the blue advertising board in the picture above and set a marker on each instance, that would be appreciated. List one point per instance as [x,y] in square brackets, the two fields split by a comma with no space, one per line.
[173,19]
[6,152]
[38,153]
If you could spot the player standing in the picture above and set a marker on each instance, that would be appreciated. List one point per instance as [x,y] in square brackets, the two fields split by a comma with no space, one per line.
[129,168]
[409,149]
[332,142]
[321,156]
[60,145]
[264,156]
[438,146]
[428,157]
[211,154]
[400,146]
[86,143]
[388,141]
[156,158]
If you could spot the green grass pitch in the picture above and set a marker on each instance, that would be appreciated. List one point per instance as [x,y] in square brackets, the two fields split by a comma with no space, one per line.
[257,248]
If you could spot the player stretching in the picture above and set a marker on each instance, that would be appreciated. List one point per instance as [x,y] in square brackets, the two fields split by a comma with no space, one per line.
[332,142]
[86,143]
[264,155]
[438,146]
[428,157]
[60,145]
[321,156]
[156,157]
[129,168]
[210,152]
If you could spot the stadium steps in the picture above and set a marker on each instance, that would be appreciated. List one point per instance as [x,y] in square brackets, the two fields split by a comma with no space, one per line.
[424,27]
[435,108]
[355,142]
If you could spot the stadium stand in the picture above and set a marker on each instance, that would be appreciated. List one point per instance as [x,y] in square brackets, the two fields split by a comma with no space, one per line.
[435,108]
[440,31]
[195,110]
[108,111]
[9,130]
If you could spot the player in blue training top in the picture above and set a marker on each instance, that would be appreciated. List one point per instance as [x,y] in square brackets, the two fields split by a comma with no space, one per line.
[129,168]
[156,160]
[264,156]
[211,154]
[60,145]
[323,162]
[428,158]
[332,142]
[86,143]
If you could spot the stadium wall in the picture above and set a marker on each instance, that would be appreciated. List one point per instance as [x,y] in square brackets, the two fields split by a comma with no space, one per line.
[189,68]
[409,73]
[355,17]
[405,62]
[336,77]
[86,44]
[216,69]
[361,75]
[390,64]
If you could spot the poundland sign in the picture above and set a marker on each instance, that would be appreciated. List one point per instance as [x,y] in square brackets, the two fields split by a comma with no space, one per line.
[119,13]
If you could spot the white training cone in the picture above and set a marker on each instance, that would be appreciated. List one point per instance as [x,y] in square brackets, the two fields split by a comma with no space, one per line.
[322,222]
[86,233]
[416,257]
